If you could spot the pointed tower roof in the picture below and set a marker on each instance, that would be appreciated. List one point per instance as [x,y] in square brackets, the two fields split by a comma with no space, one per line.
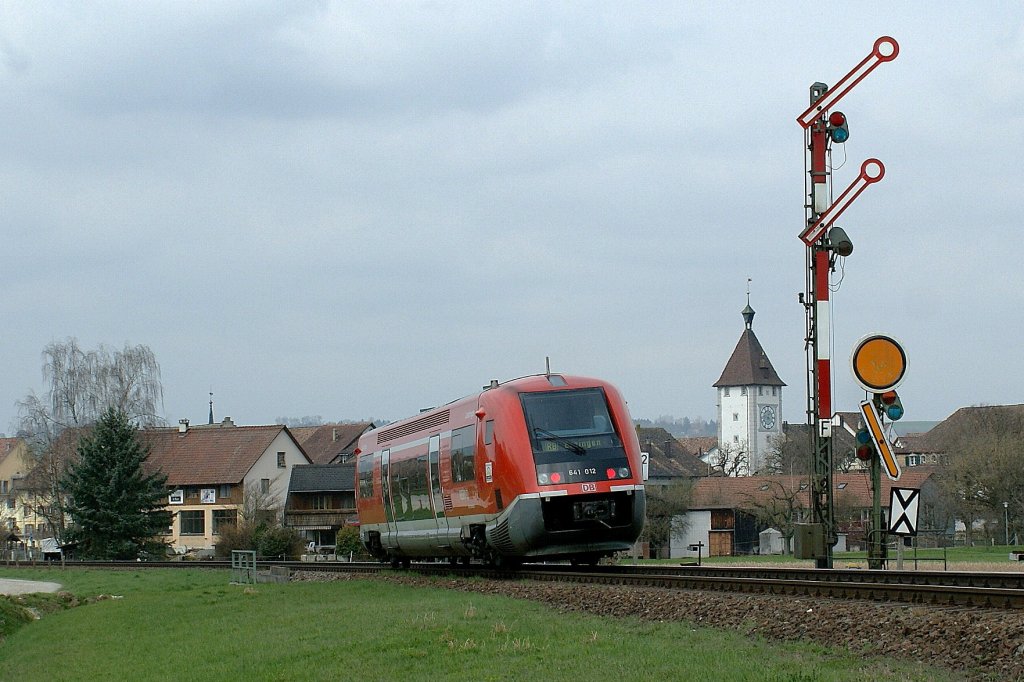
[749,364]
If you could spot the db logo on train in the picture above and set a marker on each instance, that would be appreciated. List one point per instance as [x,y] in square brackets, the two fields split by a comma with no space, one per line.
[590,487]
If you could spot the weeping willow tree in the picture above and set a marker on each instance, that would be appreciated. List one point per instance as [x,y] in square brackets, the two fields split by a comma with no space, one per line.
[81,385]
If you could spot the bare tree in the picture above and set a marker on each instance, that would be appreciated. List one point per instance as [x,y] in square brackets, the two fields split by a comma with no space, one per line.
[730,459]
[778,505]
[80,386]
[665,502]
[259,506]
[986,471]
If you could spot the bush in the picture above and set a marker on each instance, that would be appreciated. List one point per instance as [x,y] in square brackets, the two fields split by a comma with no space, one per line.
[240,537]
[278,542]
[347,541]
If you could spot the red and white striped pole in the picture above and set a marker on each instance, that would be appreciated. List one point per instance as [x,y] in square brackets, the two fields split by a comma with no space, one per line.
[819,260]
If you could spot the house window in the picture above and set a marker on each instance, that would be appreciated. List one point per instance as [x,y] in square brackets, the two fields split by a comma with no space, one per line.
[322,502]
[192,522]
[224,518]
[29,530]
[280,460]
[3,487]
[225,492]
[264,485]
[192,492]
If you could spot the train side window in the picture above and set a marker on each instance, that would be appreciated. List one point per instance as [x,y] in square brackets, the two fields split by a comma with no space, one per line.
[488,432]
[365,468]
[464,454]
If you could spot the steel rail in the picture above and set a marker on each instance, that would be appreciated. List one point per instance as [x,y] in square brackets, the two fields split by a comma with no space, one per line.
[823,586]
[945,588]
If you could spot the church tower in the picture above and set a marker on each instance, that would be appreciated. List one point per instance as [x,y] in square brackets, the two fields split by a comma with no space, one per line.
[749,401]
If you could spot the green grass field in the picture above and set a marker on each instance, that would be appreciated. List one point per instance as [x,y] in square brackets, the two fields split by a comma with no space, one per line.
[193,625]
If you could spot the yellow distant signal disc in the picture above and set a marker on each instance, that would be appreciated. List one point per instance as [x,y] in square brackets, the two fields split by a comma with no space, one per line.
[878,363]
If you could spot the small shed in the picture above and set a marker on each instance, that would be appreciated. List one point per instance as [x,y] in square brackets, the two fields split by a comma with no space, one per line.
[770,541]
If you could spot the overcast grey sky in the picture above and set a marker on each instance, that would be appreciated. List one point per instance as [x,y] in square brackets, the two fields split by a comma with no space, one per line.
[361,209]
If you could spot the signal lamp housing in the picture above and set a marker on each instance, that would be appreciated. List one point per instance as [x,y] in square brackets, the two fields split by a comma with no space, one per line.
[890,404]
[838,127]
[840,242]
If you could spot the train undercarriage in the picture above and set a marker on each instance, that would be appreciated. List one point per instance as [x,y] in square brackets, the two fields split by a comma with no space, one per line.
[534,528]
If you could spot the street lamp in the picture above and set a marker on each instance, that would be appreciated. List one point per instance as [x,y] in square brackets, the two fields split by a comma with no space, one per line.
[1006,521]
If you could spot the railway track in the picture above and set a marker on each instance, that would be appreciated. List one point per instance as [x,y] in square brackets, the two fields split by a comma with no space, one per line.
[941,588]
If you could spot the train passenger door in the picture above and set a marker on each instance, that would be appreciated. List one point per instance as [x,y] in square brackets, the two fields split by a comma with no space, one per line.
[390,538]
[436,494]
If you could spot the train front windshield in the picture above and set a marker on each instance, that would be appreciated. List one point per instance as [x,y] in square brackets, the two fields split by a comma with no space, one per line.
[573,437]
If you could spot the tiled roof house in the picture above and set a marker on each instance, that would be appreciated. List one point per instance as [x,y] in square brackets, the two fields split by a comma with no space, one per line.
[331,443]
[321,500]
[669,460]
[726,512]
[946,438]
[217,473]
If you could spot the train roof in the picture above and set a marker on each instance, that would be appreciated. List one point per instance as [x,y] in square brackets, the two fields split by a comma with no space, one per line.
[535,382]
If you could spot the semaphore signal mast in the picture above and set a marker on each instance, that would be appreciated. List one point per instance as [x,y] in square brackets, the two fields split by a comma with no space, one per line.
[825,242]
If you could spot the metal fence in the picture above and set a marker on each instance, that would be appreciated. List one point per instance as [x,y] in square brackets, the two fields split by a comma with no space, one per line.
[243,567]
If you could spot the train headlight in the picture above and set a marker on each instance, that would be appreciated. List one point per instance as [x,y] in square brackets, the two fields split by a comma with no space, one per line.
[542,479]
[624,472]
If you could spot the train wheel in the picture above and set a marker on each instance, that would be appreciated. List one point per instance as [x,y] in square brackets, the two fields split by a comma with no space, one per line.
[396,562]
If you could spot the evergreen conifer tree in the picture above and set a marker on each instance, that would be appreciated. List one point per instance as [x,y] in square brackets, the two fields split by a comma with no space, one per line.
[117,508]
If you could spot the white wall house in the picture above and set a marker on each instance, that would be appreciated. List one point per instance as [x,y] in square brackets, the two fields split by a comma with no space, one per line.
[214,472]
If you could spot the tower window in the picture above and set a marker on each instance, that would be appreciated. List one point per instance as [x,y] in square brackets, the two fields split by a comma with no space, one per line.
[743,390]
[735,416]
[726,391]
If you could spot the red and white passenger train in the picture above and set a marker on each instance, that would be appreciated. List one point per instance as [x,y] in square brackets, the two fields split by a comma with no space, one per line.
[542,467]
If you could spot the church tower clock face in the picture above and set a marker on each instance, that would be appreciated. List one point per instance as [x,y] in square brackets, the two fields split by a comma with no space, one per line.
[767,417]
